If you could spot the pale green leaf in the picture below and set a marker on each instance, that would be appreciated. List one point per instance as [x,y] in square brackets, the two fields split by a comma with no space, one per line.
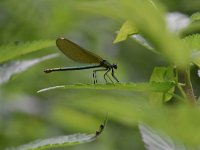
[150,22]
[7,70]
[62,141]
[127,29]
[66,115]
[196,58]
[155,140]
[178,122]
[9,52]
[195,16]
[140,87]
[192,28]
[193,42]
[162,74]
[59,141]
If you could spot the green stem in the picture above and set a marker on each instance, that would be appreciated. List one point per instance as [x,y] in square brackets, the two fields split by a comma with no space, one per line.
[181,90]
[187,90]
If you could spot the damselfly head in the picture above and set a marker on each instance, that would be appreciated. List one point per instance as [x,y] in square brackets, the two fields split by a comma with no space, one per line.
[114,66]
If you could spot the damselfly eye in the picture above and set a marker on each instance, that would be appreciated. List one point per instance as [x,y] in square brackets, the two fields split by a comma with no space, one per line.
[115,66]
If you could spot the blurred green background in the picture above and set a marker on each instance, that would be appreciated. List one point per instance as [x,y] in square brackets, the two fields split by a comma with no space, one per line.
[26,115]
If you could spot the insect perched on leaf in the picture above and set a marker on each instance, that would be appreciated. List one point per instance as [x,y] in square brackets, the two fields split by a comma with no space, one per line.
[78,54]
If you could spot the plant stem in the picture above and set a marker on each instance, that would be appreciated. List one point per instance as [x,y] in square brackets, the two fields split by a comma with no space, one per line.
[184,77]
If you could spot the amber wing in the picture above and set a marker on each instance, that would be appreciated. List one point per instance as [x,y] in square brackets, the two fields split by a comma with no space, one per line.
[77,53]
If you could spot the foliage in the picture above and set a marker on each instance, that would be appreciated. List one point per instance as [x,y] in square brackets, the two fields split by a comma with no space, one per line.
[22,49]
[165,101]
[153,86]
[57,142]
[126,30]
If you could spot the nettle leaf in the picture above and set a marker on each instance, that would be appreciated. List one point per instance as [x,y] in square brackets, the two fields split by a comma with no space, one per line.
[60,141]
[162,74]
[138,87]
[193,42]
[149,28]
[9,52]
[195,16]
[175,22]
[154,140]
[7,70]
[141,40]
[127,29]
[175,122]
[192,28]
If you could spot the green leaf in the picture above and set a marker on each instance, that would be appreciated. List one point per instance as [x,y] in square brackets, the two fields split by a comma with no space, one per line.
[140,87]
[150,22]
[127,29]
[9,52]
[196,58]
[153,138]
[162,74]
[193,42]
[62,141]
[192,28]
[179,122]
[66,115]
[195,16]
[59,141]
[9,69]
